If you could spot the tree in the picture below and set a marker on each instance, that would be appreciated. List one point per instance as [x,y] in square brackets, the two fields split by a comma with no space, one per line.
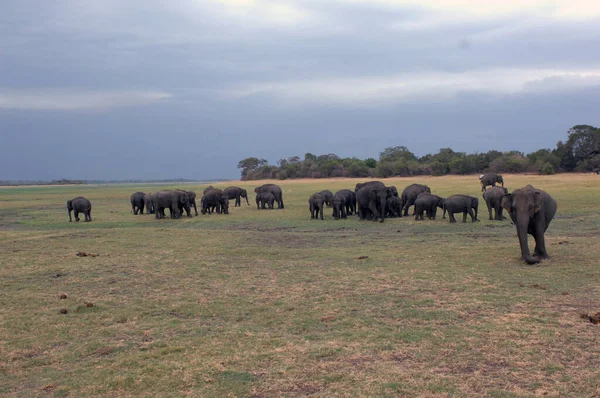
[396,153]
[249,164]
[310,156]
[371,163]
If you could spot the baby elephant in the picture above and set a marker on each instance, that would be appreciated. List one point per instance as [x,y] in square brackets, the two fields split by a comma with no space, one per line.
[315,204]
[265,199]
[493,199]
[461,204]
[340,205]
[80,205]
[427,203]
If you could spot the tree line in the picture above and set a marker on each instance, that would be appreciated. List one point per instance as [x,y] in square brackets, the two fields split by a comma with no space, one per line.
[579,153]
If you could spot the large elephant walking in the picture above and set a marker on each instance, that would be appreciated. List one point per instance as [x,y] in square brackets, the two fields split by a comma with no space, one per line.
[237,193]
[137,203]
[493,200]
[531,210]
[174,200]
[80,205]
[461,204]
[490,179]
[191,195]
[275,190]
[410,193]
[371,202]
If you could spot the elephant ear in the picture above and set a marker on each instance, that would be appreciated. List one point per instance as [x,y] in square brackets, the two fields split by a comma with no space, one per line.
[373,194]
[537,201]
[390,193]
[506,202]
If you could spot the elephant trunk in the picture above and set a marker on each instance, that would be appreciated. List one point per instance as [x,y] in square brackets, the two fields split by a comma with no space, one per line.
[522,224]
[246,196]
[382,203]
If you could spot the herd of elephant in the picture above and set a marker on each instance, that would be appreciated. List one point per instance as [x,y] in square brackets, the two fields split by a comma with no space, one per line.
[530,209]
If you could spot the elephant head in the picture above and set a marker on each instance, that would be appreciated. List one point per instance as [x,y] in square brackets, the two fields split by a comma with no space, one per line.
[522,205]
[244,194]
[440,203]
[184,202]
[224,201]
[475,206]
[500,180]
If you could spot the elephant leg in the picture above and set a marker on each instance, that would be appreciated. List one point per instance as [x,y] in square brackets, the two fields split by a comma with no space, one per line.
[322,208]
[433,213]
[86,216]
[451,217]
[373,209]
[473,217]
[465,216]
[540,244]
[344,213]
[76,214]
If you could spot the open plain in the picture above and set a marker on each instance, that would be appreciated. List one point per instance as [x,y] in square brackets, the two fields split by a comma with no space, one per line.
[271,303]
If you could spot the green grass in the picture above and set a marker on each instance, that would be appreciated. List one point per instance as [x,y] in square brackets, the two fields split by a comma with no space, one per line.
[271,303]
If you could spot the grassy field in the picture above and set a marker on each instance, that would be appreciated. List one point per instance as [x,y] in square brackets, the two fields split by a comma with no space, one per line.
[270,303]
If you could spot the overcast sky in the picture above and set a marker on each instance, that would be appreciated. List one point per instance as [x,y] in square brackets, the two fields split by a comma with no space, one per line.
[147,89]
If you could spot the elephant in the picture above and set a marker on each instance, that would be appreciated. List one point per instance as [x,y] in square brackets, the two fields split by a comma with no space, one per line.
[137,203]
[367,184]
[429,204]
[350,201]
[461,204]
[148,203]
[394,191]
[493,200]
[596,170]
[393,206]
[237,193]
[80,205]
[328,196]
[371,202]
[340,204]
[208,188]
[410,193]
[531,210]
[191,200]
[215,198]
[265,200]
[275,190]
[316,203]
[490,179]
[174,200]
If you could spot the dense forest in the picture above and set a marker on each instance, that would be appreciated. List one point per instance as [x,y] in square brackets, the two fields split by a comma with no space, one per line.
[581,152]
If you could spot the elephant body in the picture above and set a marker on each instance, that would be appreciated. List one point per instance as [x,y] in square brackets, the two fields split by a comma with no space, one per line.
[137,203]
[368,184]
[461,204]
[328,196]
[275,190]
[208,188]
[265,200]
[217,199]
[427,203]
[340,205]
[490,179]
[316,204]
[148,203]
[237,193]
[350,202]
[80,205]
[410,193]
[174,200]
[493,200]
[371,202]
[531,210]
[393,206]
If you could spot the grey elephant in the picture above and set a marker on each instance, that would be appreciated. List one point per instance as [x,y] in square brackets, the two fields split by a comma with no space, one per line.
[531,210]
[490,179]
[316,204]
[350,201]
[461,204]
[328,196]
[236,193]
[394,191]
[265,200]
[410,193]
[191,200]
[339,204]
[174,200]
[148,203]
[393,206]
[80,205]
[275,190]
[493,200]
[428,204]
[208,188]
[137,203]
[217,199]
[371,202]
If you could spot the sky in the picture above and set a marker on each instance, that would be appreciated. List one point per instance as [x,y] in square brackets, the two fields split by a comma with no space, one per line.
[148,89]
